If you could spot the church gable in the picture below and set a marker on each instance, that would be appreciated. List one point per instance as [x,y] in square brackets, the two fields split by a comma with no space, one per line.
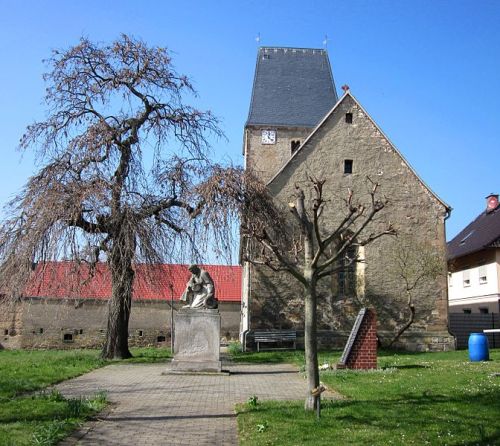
[347,147]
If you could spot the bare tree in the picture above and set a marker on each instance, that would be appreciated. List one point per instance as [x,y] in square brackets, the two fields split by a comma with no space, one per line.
[414,264]
[122,156]
[309,249]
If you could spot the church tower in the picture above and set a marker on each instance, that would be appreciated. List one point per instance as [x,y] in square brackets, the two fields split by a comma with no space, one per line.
[293,89]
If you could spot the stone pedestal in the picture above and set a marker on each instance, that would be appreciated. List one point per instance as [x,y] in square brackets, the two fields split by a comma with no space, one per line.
[196,341]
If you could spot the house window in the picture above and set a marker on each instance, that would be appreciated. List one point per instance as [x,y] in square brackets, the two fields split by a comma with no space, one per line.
[483,276]
[160,339]
[466,278]
[40,330]
[467,311]
[347,166]
[140,333]
[348,118]
[81,331]
[346,277]
[68,337]
[483,310]
[294,145]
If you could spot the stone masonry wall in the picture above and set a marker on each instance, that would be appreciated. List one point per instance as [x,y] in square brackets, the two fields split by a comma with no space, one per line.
[266,159]
[415,213]
[11,314]
[51,323]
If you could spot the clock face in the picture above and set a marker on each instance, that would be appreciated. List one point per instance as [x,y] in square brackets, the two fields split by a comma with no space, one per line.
[268,136]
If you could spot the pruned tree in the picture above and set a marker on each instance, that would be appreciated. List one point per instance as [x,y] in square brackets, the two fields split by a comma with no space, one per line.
[309,249]
[414,265]
[122,156]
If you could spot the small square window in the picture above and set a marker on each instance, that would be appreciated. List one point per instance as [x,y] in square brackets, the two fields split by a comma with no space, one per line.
[348,118]
[68,337]
[484,310]
[467,311]
[160,339]
[348,166]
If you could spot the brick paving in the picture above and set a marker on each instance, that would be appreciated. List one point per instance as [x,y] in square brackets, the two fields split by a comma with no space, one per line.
[151,408]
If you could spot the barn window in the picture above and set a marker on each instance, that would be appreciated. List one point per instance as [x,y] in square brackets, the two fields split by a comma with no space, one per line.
[347,166]
[348,118]
[6,331]
[40,330]
[68,337]
[160,339]
[81,331]
[483,310]
[467,311]
[294,145]
[140,333]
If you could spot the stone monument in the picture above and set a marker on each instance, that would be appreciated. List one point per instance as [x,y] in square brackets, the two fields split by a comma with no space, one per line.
[197,326]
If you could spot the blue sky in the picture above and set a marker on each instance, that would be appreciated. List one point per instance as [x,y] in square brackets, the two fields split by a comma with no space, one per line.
[428,72]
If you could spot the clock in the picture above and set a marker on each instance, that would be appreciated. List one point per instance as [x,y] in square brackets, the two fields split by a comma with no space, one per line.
[268,136]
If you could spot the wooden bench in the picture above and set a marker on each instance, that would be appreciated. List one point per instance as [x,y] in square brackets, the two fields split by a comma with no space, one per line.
[276,336]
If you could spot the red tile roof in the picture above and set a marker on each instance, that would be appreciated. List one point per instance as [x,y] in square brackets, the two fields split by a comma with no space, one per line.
[152,282]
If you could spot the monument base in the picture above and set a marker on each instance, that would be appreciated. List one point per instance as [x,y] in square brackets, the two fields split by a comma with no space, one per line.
[196,341]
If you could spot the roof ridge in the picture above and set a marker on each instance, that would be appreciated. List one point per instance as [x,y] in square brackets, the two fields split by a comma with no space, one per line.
[292,48]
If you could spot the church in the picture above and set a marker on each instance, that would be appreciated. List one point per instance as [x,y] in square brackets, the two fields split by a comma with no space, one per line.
[299,127]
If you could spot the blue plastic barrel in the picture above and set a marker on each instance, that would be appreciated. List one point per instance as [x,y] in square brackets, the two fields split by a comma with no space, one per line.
[478,347]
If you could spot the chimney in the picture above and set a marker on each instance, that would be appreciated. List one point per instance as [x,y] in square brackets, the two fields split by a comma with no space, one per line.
[491,202]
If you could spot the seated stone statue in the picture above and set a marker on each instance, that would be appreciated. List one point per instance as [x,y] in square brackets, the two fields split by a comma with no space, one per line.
[200,290]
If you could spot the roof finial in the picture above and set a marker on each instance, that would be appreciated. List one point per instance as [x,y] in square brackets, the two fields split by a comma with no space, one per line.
[257,39]
[345,87]
[325,41]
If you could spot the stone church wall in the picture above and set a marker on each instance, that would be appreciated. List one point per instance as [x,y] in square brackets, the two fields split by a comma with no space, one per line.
[415,213]
[267,159]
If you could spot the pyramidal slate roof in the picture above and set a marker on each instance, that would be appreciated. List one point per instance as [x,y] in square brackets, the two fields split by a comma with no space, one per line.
[482,233]
[292,87]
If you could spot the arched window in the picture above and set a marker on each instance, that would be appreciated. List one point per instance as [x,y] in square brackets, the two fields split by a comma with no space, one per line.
[347,277]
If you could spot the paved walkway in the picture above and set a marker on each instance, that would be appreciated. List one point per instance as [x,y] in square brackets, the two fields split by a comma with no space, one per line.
[149,408]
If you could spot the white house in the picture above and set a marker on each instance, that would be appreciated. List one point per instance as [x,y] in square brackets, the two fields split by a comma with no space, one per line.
[474,264]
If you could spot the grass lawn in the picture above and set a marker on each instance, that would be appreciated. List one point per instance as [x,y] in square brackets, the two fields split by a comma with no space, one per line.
[31,415]
[412,399]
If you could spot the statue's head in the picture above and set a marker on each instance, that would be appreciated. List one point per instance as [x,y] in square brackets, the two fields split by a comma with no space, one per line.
[195,269]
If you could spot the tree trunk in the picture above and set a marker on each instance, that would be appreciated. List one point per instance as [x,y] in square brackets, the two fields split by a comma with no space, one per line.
[122,278]
[407,325]
[311,347]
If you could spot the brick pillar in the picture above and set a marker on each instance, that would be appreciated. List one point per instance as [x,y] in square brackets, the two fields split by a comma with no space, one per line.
[363,354]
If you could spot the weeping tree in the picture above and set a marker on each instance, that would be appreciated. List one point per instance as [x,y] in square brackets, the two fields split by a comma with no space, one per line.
[306,246]
[122,158]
